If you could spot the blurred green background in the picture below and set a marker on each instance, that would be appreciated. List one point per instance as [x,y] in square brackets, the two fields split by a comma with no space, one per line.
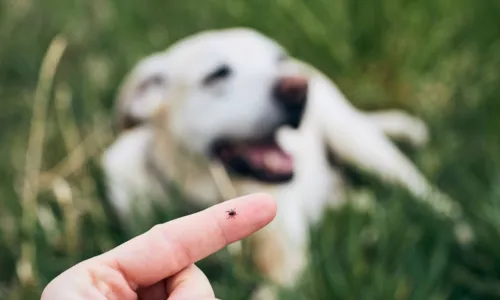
[437,59]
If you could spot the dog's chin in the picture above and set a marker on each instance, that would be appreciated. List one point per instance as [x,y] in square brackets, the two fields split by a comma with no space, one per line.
[262,160]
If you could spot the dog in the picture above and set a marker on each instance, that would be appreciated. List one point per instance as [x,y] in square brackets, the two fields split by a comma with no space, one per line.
[228,112]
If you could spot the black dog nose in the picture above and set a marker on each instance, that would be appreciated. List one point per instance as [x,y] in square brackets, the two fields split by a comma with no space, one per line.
[291,94]
[291,91]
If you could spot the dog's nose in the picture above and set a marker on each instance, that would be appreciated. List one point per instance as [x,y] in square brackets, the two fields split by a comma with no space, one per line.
[291,92]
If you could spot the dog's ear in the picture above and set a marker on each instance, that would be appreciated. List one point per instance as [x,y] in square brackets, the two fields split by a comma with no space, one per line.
[142,93]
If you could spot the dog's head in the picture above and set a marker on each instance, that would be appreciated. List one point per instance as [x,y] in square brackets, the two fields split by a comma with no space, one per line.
[225,94]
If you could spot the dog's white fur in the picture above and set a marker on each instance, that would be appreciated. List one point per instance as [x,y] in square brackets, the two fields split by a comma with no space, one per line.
[195,115]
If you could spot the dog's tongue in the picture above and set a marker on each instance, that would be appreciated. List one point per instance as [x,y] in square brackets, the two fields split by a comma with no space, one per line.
[269,157]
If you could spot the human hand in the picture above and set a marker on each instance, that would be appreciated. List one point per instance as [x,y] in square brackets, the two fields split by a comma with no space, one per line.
[159,264]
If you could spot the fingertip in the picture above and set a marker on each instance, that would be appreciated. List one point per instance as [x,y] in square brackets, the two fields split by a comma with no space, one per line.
[268,204]
[265,197]
[250,213]
[264,204]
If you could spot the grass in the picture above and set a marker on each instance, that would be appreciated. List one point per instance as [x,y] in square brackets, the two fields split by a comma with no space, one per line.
[436,59]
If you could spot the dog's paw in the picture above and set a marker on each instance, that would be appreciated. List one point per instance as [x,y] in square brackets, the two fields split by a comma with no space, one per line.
[289,140]
[464,233]
[417,132]
[401,126]
[265,292]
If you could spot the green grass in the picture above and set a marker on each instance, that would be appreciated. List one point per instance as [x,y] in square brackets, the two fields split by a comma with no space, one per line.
[437,59]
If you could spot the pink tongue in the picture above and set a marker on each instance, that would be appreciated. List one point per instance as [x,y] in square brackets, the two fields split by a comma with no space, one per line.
[269,158]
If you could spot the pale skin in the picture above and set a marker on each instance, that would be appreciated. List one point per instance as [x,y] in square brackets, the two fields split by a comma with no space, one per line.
[159,264]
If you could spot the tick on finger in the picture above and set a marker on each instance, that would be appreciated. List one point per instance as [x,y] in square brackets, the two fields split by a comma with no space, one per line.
[231,214]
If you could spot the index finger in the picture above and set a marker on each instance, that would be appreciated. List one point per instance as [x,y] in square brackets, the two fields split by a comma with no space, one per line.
[170,247]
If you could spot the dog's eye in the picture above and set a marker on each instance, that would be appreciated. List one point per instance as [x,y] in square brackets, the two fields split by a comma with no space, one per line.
[155,80]
[220,73]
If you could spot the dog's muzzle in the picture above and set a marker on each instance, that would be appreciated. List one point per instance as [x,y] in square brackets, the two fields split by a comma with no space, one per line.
[290,93]
[262,158]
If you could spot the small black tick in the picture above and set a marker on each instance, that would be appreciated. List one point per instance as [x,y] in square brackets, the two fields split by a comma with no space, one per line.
[231,213]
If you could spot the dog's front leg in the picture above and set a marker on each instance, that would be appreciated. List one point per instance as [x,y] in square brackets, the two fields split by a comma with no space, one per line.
[354,138]
[280,254]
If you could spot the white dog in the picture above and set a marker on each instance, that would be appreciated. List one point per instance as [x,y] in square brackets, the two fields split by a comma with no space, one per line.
[232,102]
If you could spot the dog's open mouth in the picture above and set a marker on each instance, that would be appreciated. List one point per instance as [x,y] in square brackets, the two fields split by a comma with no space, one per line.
[263,159]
